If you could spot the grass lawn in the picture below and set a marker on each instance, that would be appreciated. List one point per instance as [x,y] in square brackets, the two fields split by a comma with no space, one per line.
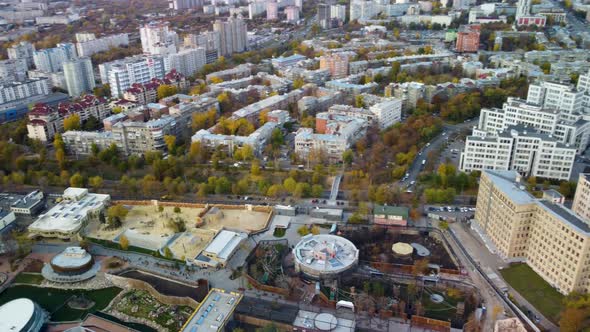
[29,278]
[54,300]
[536,290]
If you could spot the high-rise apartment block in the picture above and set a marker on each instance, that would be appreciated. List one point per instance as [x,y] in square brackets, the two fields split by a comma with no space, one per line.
[52,59]
[232,35]
[88,44]
[158,39]
[272,10]
[121,74]
[12,70]
[79,76]
[550,238]
[185,4]
[11,92]
[187,61]
[22,50]
[292,13]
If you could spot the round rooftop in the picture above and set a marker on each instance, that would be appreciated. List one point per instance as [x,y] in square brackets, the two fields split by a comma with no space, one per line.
[325,254]
[72,258]
[326,322]
[402,249]
[16,314]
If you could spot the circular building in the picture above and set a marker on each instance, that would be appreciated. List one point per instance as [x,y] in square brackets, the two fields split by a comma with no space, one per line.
[324,256]
[74,264]
[21,315]
[402,250]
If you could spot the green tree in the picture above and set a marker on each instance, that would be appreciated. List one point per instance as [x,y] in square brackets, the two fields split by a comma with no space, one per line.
[123,242]
[168,253]
[348,157]
[317,190]
[298,83]
[290,184]
[255,168]
[117,109]
[359,101]
[170,141]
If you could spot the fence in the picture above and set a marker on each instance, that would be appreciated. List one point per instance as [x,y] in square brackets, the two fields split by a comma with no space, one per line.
[431,324]
[266,288]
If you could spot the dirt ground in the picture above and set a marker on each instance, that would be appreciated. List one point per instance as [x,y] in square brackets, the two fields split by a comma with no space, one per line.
[191,243]
[239,219]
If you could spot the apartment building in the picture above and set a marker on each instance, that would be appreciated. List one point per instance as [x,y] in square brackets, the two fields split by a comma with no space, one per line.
[256,140]
[52,59]
[582,198]
[46,121]
[292,13]
[550,238]
[87,44]
[335,134]
[468,38]
[23,50]
[187,61]
[232,35]
[240,71]
[521,149]
[209,40]
[13,70]
[121,74]
[385,113]
[158,39]
[146,93]
[555,95]
[79,76]
[16,91]
[337,64]
[272,10]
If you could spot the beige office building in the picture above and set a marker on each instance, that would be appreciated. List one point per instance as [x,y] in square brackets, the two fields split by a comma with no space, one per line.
[550,238]
[582,199]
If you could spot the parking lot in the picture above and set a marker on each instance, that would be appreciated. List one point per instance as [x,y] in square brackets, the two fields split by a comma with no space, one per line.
[450,213]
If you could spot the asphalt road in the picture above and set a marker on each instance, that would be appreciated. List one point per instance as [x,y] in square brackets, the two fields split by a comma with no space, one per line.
[436,144]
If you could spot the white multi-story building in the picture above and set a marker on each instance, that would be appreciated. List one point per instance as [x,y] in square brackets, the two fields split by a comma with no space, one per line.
[257,140]
[232,35]
[256,8]
[567,128]
[209,40]
[292,13]
[158,39]
[338,12]
[79,76]
[334,135]
[521,149]
[21,90]
[272,10]
[553,95]
[185,4]
[88,44]
[13,70]
[22,50]
[387,112]
[186,62]
[121,74]
[52,59]
[362,10]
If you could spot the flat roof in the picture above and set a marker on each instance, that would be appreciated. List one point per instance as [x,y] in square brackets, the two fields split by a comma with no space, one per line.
[67,216]
[15,314]
[391,210]
[212,314]
[310,320]
[506,182]
[72,257]
[566,215]
[224,243]
[339,252]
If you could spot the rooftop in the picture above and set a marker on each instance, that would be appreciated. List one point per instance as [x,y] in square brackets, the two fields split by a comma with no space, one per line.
[72,257]
[15,314]
[391,210]
[506,182]
[566,215]
[67,216]
[213,312]
[325,252]
[224,243]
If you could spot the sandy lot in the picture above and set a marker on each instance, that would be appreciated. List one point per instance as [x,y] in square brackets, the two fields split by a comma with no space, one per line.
[191,243]
[243,220]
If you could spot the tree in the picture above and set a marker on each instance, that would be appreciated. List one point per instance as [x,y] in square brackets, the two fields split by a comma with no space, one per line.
[77,180]
[348,157]
[117,211]
[317,190]
[123,242]
[290,184]
[91,124]
[117,109]
[72,122]
[572,320]
[359,101]
[315,230]
[166,90]
[176,209]
[170,141]
[255,168]
[168,253]
[298,83]
[96,182]
[60,156]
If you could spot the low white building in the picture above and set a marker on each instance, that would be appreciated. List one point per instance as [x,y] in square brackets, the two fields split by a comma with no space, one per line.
[65,219]
[6,218]
[221,248]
